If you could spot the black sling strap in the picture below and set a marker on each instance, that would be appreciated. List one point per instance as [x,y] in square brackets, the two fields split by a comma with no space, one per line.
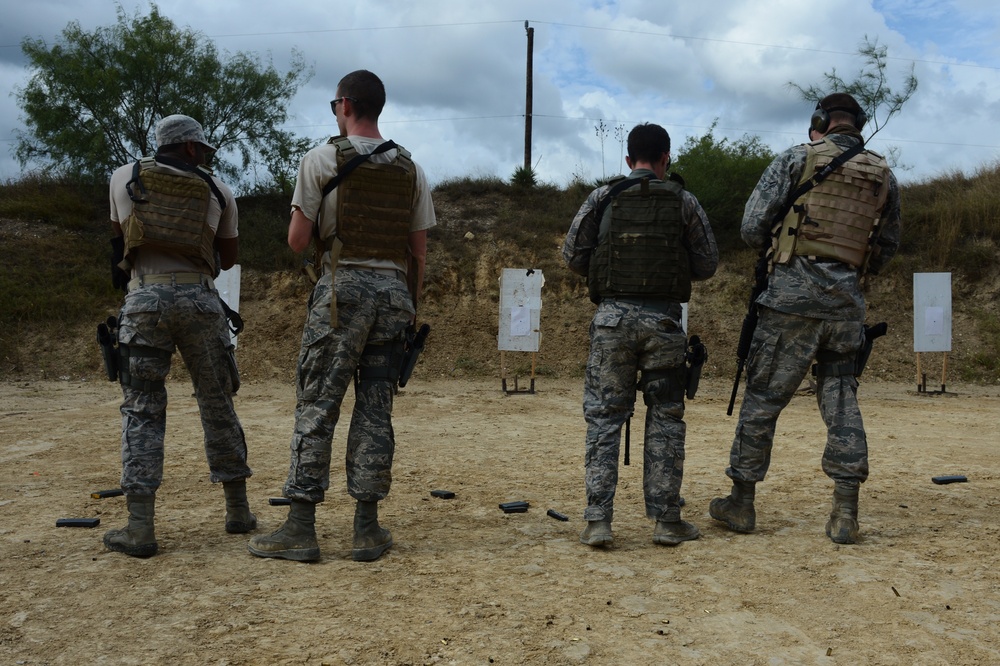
[354,163]
[615,190]
[820,176]
[177,164]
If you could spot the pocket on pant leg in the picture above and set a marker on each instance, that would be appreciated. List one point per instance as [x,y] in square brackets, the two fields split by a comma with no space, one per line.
[762,359]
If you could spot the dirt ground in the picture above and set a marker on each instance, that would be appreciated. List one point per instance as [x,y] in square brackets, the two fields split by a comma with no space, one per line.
[466,583]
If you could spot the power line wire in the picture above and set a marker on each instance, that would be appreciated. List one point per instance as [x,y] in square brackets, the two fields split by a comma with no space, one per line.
[581,27]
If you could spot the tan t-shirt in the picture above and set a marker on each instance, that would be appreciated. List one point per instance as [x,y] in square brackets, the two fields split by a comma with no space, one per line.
[319,166]
[149,260]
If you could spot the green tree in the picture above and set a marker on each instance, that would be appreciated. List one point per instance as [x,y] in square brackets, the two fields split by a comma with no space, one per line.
[93,99]
[870,87]
[722,174]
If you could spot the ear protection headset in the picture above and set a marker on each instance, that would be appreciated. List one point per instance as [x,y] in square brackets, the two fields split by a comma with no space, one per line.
[820,120]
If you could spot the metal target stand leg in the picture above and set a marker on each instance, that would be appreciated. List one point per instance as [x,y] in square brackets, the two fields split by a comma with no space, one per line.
[503,376]
[922,377]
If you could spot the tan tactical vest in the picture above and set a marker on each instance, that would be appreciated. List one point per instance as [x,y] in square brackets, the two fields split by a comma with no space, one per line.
[640,251]
[837,219]
[169,213]
[375,205]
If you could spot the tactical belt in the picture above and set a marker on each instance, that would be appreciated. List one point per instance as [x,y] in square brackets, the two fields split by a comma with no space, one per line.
[655,304]
[391,272]
[171,279]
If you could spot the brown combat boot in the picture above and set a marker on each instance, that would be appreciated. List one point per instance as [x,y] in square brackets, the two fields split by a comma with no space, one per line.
[672,533]
[736,511]
[137,537]
[295,540]
[239,520]
[597,533]
[843,524]
[370,540]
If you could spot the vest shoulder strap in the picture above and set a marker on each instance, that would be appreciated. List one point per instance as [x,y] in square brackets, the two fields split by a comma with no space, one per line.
[616,189]
[353,160]
[814,180]
[149,162]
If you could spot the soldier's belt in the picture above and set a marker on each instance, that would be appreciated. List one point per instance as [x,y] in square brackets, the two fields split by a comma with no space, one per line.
[391,272]
[171,279]
[656,304]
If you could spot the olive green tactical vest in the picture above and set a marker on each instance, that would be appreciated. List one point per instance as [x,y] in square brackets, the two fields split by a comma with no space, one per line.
[640,251]
[169,213]
[375,205]
[838,219]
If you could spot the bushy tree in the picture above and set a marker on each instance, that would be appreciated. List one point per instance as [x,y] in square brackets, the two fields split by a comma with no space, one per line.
[722,174]
[870,88]
[93,99]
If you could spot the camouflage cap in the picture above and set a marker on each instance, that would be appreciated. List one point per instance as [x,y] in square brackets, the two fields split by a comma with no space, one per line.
[179,129]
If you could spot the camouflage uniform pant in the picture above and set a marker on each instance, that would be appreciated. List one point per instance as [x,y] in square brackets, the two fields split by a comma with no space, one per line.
[625,340]
[373,312]
[190,318]
[783,349]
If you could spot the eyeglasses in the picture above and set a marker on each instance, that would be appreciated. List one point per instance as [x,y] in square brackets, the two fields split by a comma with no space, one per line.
[335,102]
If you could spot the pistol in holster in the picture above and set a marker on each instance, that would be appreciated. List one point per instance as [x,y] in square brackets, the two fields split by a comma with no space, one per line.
[695,357]
[107,338]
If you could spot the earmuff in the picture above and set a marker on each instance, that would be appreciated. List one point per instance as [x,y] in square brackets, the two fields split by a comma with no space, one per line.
[820,120]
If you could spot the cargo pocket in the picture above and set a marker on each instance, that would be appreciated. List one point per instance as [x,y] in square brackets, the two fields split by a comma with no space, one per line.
[317,324]
[145,351]
[761,360]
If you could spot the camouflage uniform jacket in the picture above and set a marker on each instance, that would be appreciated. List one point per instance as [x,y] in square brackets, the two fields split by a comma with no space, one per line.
[824,289]
[698,237]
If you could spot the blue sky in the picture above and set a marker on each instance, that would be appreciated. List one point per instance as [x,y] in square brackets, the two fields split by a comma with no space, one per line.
[455,72]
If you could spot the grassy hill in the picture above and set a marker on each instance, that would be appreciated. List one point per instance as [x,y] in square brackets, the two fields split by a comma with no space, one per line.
[54,285]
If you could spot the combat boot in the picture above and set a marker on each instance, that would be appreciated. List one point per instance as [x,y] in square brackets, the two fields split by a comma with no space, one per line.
[136,538]
[843,524]
[239,520]
[370,540]
[597,533]
[736,511]
[295,540]
[674,532]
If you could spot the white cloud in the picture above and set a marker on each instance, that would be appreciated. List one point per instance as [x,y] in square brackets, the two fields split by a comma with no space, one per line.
[455,71]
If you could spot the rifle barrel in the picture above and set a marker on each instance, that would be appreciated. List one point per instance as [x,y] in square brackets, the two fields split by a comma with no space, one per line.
[736,387]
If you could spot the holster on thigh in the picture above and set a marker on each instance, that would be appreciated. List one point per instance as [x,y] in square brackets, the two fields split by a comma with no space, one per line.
[381,362]
[662,386]
[125,376]
[832,364]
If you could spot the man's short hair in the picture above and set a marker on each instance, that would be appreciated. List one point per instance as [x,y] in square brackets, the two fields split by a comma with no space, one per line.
[842,107]
[647,142]
[366,91]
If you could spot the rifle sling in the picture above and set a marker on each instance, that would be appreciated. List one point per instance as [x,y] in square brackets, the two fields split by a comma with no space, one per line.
[350,166]
[615,190]
[183,166]
[337,244]
[820,176]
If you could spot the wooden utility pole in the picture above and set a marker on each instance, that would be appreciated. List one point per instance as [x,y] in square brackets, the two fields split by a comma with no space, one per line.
[527,100]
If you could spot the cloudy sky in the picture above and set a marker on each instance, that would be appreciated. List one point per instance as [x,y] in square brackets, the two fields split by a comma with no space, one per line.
[455,71]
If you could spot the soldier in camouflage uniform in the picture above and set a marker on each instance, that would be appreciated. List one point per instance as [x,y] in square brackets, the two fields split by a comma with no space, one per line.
[172,303]
[813,310]
[637,329]
[359,311]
